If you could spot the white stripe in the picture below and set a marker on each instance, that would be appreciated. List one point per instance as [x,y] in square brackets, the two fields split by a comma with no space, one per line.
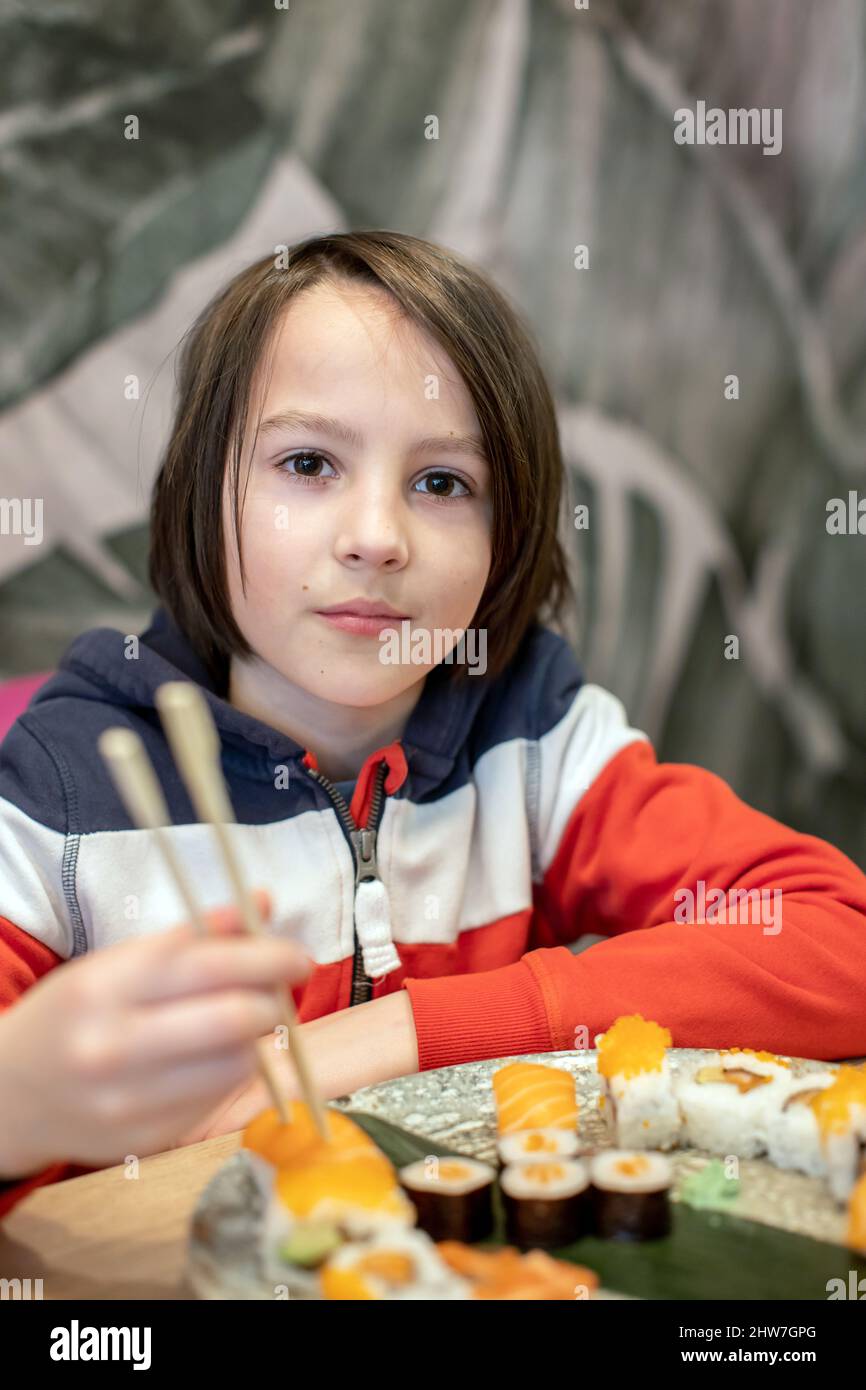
[31,879]
[573,754]
[124,888]
[463,861]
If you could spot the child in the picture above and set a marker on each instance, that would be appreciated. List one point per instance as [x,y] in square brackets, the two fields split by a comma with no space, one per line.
[365,445]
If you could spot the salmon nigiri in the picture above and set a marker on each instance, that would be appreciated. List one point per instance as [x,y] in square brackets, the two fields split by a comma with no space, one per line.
[531,1096]
[280,1143]
[313,1174]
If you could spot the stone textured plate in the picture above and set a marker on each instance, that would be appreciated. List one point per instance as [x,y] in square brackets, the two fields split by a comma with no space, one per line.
[453,1106]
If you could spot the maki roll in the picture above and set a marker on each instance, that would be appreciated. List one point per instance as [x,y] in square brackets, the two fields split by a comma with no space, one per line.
[526,1144]
[395,1265]
[793,1137]
[729,1103]
[840,1112]
[638,1084]
[453,1197]
[631,1194]
[547,1203]
[530,1096]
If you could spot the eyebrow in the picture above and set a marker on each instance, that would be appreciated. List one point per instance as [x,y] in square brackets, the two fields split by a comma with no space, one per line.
[323,424]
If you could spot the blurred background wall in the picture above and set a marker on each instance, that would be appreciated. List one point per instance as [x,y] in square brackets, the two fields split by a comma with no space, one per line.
[150,151]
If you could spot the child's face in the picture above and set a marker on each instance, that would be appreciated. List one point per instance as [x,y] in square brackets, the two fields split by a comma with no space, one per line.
[339,520]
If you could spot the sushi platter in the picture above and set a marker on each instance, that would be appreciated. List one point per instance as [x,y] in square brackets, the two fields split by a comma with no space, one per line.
[632,1169]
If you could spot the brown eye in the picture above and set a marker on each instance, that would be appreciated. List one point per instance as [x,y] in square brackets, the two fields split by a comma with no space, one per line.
[444,486]
[307,463]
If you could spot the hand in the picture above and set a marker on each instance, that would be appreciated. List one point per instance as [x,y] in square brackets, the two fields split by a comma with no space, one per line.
[116,1053]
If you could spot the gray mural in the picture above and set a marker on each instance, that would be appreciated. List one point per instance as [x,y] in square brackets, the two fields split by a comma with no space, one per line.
[700,307]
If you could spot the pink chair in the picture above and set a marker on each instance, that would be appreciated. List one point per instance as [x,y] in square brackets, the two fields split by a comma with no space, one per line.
[15,696]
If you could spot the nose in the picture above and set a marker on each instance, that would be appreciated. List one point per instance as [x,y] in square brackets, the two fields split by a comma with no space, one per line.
[372,529]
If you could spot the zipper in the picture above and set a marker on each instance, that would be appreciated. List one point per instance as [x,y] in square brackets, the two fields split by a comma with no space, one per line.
[363,845]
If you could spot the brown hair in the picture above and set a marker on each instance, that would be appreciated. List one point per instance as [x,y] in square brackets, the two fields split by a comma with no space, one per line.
[498,361]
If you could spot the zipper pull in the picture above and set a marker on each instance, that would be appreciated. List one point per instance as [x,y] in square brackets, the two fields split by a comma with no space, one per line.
[372,910]
[364,842]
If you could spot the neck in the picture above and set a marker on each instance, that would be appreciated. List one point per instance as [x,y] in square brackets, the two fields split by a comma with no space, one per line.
[341,736]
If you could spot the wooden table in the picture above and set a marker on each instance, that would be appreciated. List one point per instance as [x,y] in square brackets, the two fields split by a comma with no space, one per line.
[106,1235]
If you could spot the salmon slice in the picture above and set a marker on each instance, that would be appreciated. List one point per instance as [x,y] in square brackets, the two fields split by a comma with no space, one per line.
[506,1274]
[530,1096]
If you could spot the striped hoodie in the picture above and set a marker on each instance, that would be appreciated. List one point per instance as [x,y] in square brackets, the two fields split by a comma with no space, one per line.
[513,816]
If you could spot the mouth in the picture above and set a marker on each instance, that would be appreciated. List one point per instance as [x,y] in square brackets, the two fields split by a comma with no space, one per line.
[363,617]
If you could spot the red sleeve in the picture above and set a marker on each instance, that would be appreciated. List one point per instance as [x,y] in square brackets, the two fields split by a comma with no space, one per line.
[23,960]
[788,973]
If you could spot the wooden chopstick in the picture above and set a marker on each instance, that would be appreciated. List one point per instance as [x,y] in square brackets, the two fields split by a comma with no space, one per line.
[139,789]
[195,744]
[135,779]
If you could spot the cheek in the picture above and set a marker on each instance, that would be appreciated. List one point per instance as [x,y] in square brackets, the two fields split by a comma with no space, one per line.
[461,572]
[275,553]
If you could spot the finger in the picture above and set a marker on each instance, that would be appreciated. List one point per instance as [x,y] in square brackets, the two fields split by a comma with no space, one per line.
[129,964]
[227,921]
[205,966]
[166,1035]
[190,1089]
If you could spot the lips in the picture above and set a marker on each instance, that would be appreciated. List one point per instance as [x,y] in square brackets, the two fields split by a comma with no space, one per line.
[362,617]
[361,624]
[363,608]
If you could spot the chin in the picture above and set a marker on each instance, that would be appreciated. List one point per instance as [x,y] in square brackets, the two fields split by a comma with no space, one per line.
[357,689]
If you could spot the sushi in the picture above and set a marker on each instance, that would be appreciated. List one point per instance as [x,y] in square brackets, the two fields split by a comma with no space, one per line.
[531,1096]
[638,1084]
[453,1197]
[279,1143]
[729,1103]
[631,1194]
[505,1274]
[318,1194]
[537,1143]
[352,1186]
[547,1202]
[407,1265]
[395,1265]
[840,1112]
[793,1137]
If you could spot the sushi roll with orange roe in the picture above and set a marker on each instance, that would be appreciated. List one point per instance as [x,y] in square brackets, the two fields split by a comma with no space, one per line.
[793,1137]
[840,1112]
[531,1096]
[547,1203]
[453,1197]
[638,1092]
[729,1102]
[631,1194]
